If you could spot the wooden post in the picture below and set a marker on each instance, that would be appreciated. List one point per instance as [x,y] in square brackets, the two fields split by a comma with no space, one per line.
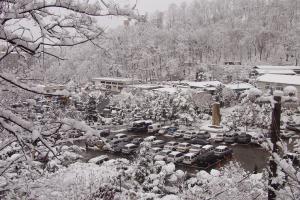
[275,131]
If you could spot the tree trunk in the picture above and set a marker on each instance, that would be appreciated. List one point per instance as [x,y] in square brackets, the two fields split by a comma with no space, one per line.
[275,132]
[260,53]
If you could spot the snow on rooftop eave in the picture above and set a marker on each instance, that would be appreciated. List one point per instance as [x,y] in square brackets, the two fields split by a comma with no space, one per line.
[276,71]
[239,86]
[202,84]
[146,86]
[277,67]
[114,79]
[282,79]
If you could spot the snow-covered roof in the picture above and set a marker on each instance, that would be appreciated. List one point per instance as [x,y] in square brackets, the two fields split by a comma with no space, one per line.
[156,148]
[277,67]
[174,153]
[170,90]
[207,146]
[93,160]
[130,145]
[239,86]
[139,121]
[196,146]
[275,71]
[166,150]
[172,142]
[189,154]
[146,86]
[221,147]
[158,142]
[283,79]
[150,137]
[202,84]
[184,144]
[120,134]
[114,79]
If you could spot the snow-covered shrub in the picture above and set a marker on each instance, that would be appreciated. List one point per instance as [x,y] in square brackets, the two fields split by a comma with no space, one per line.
[253,94]
[290,91]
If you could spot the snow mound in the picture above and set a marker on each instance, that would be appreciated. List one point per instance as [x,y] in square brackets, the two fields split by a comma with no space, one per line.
[3,182]
[257,177]
[215,173]
[203,175]
[170,197]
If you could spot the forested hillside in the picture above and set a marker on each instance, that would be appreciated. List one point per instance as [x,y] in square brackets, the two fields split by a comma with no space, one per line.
[191,36]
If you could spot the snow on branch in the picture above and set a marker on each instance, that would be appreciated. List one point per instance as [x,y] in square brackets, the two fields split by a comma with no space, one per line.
[75,24]
[8,115]
[12,80]
[79,125]
[286,167]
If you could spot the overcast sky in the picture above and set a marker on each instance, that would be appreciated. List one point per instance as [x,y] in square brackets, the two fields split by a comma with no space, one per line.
[143,6]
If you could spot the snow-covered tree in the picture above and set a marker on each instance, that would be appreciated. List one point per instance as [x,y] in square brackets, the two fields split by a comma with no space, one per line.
[39,28]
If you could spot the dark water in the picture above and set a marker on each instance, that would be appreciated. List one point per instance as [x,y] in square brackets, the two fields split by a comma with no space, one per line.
[249,156]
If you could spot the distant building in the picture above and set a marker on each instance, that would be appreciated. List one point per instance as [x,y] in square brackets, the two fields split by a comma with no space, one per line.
[296,69]
[113,84]
[278,82]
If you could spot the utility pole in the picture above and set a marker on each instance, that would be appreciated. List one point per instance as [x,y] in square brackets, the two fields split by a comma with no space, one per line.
[275,131]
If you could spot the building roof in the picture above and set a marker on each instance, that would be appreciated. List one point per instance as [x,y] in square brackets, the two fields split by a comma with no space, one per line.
[171,90]
[267,67]
[115,79]
[203,84]
[146,86]
[283,79]
[239,86]
[275,71]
